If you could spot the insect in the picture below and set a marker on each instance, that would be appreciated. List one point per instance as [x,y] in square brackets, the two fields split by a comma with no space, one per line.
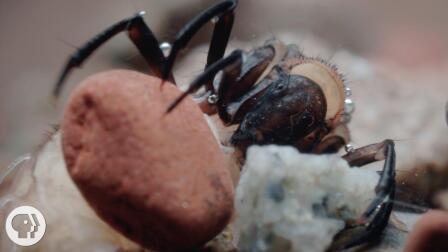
[274,93]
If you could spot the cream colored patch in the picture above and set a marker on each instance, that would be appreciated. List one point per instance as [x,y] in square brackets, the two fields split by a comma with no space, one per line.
[330,83]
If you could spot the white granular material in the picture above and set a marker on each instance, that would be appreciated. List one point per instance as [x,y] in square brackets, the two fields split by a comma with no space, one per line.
[288,201]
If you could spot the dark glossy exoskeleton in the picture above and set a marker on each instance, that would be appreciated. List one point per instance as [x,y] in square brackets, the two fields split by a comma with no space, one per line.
[277,95]
[274,94]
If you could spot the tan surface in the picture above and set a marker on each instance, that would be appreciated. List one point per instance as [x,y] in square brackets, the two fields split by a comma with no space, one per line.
[158,178]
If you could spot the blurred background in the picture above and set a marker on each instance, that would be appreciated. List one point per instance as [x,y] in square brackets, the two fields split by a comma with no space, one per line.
[36,38]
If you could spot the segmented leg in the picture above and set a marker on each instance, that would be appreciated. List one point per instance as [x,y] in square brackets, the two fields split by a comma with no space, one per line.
[331,144]
[375,218]
[207,75]
[140,35]
[224,12]
[237,82]
[367,154]
[324,141]
[235,89]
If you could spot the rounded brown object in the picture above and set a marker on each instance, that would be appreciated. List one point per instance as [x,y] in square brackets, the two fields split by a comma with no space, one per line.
[158,179]
[430,233]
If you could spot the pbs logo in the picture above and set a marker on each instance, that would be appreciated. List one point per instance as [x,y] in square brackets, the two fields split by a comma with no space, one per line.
[25,226]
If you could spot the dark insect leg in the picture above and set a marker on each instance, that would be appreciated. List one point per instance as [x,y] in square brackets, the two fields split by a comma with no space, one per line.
[323,141]
[140,35]
[209,74]
[238,81]
[333,141]
[235,91]
[331,144]
[224,12]
[367,154]
[373,221]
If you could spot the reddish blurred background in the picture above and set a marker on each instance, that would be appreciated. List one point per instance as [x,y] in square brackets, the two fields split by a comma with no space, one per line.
[38,36]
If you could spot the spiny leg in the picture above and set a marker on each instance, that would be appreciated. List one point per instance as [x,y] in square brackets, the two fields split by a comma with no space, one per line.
[224,11]
[140,35]
[376,217]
